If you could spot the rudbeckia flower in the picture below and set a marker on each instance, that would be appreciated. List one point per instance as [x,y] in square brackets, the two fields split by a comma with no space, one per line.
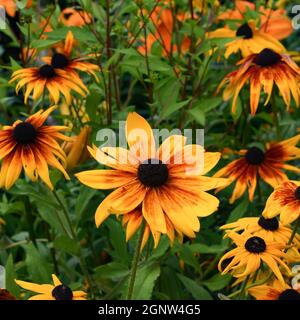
[62,59]
[284,200]
[247,39]
[268,164]
[33,146]
[273,22]
[11,6]
[249,254]
[164,183]
[270,229]
[72,17]
[55,291]
[274,291]
[55,80]
[263,70]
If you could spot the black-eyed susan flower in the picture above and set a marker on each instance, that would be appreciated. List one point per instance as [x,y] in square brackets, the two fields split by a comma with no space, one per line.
[270,229]
[263,70]
[249,254]
[284,200]
[75,17]
[247,39]
[55,80]
[55,291]
[33,146]
[273,22]
[62,59]
[268,164]
[274,291]
[166,183]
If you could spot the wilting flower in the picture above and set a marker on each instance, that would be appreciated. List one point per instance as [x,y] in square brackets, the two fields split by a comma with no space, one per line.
[55,291]
[72,17]
[284,200]
[249,254]
[76,150]
[33,146]
[271,229]
[268,164]
[163,22]
[55,80]
[273,22]
[166,183]
[247,39]
[275,291]
[263,70]
[62,59]
[11,6]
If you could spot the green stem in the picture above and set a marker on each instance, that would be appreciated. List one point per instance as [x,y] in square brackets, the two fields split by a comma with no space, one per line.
[275,115]
[29,218]
[243,287]
[135,262]
[294,232]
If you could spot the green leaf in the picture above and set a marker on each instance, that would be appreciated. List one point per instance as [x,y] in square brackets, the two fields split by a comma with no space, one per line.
[112,270]
[118,241]
[238,211]
[197,291]
[144,281]
[198,115]
[173,107]
[37,266]
[206,249]
[43,43]
[10,276]
[160,251]
[217,282]
[83,200]
[66,244]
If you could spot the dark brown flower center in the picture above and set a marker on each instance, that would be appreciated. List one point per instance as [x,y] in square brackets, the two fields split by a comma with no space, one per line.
[153,173]
[255,245]
[244,31]
[255,156]
[297,193]
[59,61]
[24,133]
[62,292]
[269,224]
[289,294]
[267,57]
[67,15]
[47,71]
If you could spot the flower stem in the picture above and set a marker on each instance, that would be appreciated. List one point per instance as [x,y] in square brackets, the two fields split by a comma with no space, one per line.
[294,232]
[275,115]
[73,236]
[243,287]
[135,262]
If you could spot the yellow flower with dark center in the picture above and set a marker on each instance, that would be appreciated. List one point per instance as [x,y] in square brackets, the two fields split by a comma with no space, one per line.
[247,39]
[62,59]
[164,182]
[267,164]
[275,291]
[262,71]
[271,229]
[284,200]
[250,253]
[73,17]
[55,291]
[55,80]
[33,146]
